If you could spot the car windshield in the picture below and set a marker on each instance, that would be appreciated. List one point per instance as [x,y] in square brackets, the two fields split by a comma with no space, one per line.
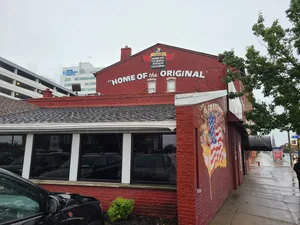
[86,162]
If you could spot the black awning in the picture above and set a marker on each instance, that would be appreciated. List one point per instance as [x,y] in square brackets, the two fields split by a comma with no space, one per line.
[257,143]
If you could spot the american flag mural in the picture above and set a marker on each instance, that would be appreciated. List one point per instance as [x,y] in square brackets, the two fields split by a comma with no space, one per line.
[213,138]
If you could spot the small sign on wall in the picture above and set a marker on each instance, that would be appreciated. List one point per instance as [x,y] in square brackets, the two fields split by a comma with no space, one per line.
[158,61]
[158,58]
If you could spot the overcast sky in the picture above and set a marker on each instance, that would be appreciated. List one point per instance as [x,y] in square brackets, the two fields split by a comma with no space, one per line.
[44,36]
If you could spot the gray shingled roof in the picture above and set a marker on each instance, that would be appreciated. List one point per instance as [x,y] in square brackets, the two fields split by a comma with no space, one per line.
[92,115]
[11,106]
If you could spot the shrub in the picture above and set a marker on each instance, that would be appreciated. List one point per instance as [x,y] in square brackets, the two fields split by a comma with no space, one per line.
[120,209]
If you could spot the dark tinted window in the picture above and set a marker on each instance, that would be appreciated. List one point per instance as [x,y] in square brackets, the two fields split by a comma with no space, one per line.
[50,153]
[154,158]
[11,152]
[100,157]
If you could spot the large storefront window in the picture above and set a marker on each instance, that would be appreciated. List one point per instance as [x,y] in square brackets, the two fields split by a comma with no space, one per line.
[49,154]
[12,149]
[100,157]
[154,158]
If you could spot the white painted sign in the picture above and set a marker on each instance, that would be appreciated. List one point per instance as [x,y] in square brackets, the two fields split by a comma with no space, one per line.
[162,73]
[235,105]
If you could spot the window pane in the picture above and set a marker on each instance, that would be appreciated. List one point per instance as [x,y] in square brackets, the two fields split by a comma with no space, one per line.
[16,201]
[151,86]
[154,158]
[50,153]
[171,85]
[100,157]
[11,152]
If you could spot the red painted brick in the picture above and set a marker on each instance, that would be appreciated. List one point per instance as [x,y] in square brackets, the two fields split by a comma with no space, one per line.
[196,208]
[184,60]
[158,203]
[107,100]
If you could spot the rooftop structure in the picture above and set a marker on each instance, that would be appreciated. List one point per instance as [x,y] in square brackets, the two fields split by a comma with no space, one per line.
[81,74]
[19,83]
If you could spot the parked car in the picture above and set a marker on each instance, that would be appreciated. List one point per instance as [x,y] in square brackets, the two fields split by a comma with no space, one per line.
[23,202]
[158,167]
[43,162]
[92,166]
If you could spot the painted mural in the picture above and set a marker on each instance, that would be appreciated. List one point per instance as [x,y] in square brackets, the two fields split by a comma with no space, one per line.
[213,138]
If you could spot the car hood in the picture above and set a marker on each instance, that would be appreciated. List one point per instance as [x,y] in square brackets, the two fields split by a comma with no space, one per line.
[74,199]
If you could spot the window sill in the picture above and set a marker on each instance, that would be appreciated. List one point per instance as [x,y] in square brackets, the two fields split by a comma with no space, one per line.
[103,184]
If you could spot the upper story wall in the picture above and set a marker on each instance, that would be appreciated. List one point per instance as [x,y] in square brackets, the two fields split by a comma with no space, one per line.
[192,72]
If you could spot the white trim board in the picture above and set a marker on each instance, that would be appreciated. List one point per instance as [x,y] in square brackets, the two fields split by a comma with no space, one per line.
[235,105]
[198,97]
[77,127]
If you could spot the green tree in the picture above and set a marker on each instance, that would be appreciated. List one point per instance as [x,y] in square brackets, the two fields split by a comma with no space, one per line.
[277,73]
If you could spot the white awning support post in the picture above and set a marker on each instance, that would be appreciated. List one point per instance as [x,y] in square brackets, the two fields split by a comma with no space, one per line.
[27,156]
[74,157]
[126,158]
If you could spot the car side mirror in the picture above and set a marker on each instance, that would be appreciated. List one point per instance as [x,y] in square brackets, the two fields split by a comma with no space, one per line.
[53,204]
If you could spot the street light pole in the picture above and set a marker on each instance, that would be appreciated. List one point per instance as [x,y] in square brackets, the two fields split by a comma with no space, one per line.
[289,145]
[298,144]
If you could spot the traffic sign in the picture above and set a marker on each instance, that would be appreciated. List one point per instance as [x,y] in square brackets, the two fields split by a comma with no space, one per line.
[296,136]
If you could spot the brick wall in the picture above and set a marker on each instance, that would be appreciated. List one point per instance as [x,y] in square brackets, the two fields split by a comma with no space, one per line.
[240,160]
[213,71]
[158,203]
[220,183]
[233,146]
[186,166]
[247,157]
[193,207]
[92,101]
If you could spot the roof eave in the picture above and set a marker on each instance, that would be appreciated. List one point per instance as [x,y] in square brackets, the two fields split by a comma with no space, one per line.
[87,127]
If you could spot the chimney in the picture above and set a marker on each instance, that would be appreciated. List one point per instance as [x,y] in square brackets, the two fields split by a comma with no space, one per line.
[47,93]
[125,53]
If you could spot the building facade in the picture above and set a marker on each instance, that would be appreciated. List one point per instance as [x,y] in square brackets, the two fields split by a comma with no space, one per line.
[19,83]
[174,147]
[81,74]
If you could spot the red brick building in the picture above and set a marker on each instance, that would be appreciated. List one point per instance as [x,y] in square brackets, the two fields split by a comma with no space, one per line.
[163,132]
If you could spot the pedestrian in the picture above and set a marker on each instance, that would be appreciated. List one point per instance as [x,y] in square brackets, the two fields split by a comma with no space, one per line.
[297,170]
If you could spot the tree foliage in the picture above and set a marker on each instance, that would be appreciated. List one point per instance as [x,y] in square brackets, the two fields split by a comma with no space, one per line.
[276,73]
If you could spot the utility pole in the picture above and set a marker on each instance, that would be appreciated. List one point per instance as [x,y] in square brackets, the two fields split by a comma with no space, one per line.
[298,143]
[289,145]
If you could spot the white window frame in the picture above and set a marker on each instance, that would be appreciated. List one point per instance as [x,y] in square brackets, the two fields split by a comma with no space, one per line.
[169,81]
[74,160]
[126,159]
[75,155]
[151,89]
[27,156]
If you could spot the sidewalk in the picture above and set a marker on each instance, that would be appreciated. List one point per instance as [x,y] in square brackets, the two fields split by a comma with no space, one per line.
[269,196]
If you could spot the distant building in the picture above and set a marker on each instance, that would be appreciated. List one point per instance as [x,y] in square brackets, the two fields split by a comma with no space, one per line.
[19,83]
[81,74]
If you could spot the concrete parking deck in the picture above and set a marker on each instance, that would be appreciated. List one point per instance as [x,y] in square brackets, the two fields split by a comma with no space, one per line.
[269,196]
